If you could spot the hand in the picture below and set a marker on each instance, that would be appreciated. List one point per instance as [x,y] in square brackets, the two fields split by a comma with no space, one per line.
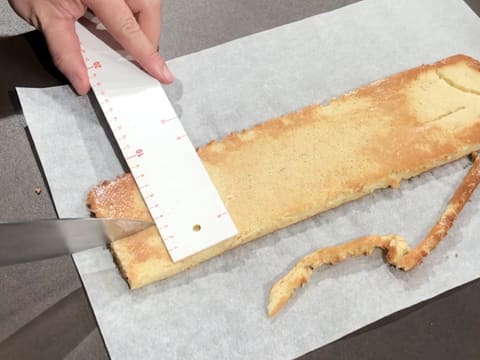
[135,24]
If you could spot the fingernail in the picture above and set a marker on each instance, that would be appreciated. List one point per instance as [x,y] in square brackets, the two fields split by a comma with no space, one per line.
[163,72]
[167,73]
[80,84]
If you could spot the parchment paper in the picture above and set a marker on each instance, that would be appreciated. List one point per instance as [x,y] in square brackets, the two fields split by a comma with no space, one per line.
[217,310]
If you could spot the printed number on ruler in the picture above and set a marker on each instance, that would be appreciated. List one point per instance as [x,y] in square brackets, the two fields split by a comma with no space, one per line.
[201,203]
[92,68]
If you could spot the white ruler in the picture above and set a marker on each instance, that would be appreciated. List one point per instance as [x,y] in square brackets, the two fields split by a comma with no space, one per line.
[182,200]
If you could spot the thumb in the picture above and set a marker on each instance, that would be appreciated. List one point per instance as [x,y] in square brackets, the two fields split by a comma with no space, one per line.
[64,46]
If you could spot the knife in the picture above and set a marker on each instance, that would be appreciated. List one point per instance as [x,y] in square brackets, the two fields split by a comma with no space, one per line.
[28,241]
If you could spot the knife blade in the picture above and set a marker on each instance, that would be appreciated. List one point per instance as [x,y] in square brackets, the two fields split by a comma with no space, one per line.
[28,241]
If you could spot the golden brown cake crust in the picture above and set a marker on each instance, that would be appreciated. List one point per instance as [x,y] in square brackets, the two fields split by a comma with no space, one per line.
[298,165]
[398,251]
[446,220]
[118,199]
[285,287]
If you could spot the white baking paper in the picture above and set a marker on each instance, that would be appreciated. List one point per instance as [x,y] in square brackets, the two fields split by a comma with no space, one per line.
[218,309]
[70,133]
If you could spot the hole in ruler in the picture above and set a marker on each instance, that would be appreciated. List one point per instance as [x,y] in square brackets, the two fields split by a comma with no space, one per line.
[196,228]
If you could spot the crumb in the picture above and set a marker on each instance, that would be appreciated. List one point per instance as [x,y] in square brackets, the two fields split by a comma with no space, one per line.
[38,190]
[456,255]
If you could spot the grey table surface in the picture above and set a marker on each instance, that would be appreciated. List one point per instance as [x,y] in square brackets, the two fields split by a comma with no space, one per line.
[44,312]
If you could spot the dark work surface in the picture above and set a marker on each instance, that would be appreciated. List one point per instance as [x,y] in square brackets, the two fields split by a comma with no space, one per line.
[44,312]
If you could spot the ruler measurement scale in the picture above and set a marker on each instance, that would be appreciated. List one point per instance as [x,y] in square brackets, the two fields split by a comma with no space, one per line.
[133,160]
[177,190]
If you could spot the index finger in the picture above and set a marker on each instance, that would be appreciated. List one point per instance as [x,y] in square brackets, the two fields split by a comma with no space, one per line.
[147,13]
[122,25]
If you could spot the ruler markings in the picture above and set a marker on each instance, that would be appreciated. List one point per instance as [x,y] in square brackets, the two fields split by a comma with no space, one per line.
[183,202]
